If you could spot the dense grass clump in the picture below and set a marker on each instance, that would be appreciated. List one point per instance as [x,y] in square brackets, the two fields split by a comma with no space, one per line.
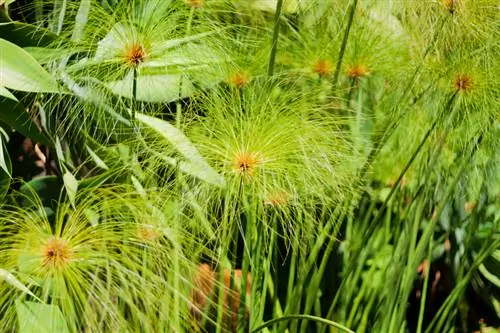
[249,166]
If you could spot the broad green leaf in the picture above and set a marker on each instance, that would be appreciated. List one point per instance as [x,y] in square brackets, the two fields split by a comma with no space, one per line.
[59,150]
[14,115]
[4,92]
[47,189]
[44,55]
[174,43]
[40,318]
[113,44]
[198,166]
[173,135]
[23,34]
[20,71]
[6,2]
[153,88]
[9,278]
[198,170]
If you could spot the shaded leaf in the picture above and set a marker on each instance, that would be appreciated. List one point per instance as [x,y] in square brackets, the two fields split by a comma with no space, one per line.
[14,115]
[23,34]
[5,171]
[45,188]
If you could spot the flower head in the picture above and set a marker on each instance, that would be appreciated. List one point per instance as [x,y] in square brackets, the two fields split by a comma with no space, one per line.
[357,71]
[239,79]
[134,54]
[463,83]
[56,253]
[245,162]
[322,67]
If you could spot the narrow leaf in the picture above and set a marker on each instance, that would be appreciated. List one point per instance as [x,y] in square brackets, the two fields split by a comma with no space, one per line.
[98,161]
[4,92]
[13,281]
[197,164]
[71,185]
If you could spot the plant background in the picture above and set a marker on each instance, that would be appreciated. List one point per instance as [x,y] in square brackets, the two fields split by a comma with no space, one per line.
[249,165]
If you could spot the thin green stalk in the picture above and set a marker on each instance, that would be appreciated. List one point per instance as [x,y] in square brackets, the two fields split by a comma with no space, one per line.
[267,265]
[62,14]
[390,129]
[134,92]
[301,317]
[190,20]
[313,289]
[245,268]
[352,11]
[276,32]
[426,136]
[421,311]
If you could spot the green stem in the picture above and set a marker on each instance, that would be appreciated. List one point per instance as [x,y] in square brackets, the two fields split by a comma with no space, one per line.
[390,128]
[301,317]
[190,21]
[352,11]
[276,32]
[411,160]
[134,93]
[424,290]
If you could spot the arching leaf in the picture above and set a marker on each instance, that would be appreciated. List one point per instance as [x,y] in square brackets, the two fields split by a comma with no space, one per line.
[20,71]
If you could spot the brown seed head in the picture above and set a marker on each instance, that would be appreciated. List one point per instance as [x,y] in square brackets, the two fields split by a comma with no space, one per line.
[357,71]
[469,206]
[322,67]
[277,198]
[147,232]
[56,253]
[463,83]
[135,54]
[195,3]
[239,79]
[450,5]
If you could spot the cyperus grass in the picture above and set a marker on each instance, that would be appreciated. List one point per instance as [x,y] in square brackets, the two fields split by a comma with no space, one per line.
[268,142]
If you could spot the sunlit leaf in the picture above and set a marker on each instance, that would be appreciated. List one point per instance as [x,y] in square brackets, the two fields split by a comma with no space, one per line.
[20,71]
[197,164]
[153,88]
[9,278]
[40,318]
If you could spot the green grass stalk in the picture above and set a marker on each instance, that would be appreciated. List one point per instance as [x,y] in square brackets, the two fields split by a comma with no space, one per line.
[301,317]
[352,11]
[276,33]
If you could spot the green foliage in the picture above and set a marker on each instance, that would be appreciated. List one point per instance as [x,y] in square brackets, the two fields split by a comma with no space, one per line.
[234,166]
